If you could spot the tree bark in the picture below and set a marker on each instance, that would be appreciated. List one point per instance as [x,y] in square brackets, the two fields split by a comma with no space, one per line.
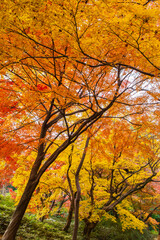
[61,205]
[78,194]
[17,216]
[69,218]
[71,209]
[89,226]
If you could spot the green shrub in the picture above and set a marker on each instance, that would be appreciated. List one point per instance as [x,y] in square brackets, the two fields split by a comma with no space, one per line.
[108,230]
[6,201]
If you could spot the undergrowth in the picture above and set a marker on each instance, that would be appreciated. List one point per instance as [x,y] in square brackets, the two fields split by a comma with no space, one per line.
[51,229]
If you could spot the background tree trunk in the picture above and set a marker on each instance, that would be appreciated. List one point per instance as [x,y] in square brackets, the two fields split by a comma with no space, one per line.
[89,226]
[78,194]
[70,214]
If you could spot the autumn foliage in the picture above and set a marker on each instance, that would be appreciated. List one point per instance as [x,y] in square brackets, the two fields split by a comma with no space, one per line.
[79,105]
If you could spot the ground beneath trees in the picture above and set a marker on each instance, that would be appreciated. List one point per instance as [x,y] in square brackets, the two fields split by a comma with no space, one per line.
[32,229]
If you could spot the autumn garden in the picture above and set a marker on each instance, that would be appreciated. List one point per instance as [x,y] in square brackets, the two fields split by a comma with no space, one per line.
[79,116]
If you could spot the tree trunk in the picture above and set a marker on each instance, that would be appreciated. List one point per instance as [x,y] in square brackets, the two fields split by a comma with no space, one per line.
[89,226]
[61,205]
[17,216]
[76,224]
[3,190]
[69,218]
[78,194]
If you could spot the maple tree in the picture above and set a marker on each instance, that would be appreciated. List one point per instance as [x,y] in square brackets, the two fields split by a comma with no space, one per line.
[116,165]
[70,64]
